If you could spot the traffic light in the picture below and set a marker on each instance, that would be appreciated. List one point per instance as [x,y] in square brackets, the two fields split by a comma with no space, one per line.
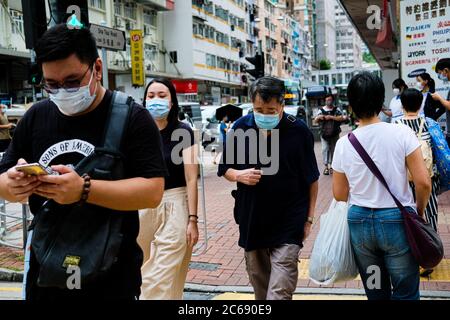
[34,21]
[34,74]
[259,63]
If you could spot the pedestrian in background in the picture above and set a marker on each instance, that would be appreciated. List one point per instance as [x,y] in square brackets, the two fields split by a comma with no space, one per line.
[431,108]
[169,232]
[330,119]
[376,224]
[395,107]
[412,102]
[443,70]
[275,212]
[5,126]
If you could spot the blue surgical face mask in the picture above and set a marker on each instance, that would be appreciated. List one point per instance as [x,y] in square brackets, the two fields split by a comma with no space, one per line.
[266,121]
[443,77]
[158,108]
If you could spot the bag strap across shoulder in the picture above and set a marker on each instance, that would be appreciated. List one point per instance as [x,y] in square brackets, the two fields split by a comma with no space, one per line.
[422,125]
[373,167]
[117,120]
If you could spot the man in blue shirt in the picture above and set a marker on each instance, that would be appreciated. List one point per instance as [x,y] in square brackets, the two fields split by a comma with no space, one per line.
[274,209]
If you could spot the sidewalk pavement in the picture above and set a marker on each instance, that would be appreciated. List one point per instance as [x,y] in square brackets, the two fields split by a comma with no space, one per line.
[223,262]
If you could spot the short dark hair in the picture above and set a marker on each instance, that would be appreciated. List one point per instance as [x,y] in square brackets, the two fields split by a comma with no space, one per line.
[398,83]
[173,117]
[59,42]
[442,64]
[268,88]
[329,95]
[366,95]
[411,100]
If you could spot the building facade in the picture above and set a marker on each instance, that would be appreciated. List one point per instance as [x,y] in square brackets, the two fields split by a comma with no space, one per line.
[348,42]
[326,30]
[286,44]
[209,40]
[119,14]
[304,11]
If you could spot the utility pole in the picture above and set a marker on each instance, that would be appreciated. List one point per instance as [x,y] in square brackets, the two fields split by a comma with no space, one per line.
[105,63]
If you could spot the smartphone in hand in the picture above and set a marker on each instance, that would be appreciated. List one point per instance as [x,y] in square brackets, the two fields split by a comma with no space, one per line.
[34,169]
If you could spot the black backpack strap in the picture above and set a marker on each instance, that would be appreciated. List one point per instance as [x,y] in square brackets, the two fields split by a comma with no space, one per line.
[119,113]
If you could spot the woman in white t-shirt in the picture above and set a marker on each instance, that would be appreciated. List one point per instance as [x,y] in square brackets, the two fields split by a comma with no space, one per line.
[376,224]
[396,108]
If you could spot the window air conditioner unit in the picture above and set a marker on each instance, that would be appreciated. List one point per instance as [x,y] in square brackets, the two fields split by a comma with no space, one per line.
[118,22]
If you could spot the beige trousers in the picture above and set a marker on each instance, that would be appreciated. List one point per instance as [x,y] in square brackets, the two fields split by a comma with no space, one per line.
[273,272]
[162,237]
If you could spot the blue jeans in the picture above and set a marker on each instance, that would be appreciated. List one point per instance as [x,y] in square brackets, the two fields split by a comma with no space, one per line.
[383,255]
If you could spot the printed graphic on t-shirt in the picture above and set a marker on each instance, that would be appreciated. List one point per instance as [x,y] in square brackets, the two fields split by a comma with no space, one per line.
[65,147]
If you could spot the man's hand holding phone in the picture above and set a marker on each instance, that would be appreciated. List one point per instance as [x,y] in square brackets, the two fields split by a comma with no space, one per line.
[65,188]
[19,184]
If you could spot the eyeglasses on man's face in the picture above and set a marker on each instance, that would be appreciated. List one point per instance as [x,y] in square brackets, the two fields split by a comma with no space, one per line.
[71,85]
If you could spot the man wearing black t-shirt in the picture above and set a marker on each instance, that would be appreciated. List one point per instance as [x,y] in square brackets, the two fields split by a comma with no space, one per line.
[274,209]
[60,132]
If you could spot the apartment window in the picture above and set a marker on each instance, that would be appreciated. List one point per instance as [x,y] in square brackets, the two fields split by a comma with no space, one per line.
[221,63]
[208,6]
[339,78]
[273,27]
[130,10]
[348,77]
[17,25]
[150,17]
[150,52]
[266,23]
[197,3]
[118,7]
[233,20]
[210,60]
[222,38]
[269,7]
[99,4]
[241,23]
[221,13]
[210,32]
[195,28]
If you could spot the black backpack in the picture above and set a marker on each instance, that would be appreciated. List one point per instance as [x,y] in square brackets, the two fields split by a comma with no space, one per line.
[87,236]
[330,128]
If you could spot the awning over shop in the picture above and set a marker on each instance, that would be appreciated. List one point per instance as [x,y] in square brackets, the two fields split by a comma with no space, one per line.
[357,12]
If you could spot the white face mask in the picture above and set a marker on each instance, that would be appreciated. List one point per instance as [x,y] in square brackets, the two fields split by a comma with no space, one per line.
[72,103]
[420,86]
[396,92]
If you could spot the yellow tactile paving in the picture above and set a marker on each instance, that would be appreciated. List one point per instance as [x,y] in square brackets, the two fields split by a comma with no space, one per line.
[249,296]
[441,272]
[10,289]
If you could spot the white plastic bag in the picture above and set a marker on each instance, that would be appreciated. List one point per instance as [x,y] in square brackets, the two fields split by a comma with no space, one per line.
[332,258]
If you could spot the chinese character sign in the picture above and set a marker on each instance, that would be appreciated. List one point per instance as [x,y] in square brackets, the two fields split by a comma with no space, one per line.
[137,58]
[425,32]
